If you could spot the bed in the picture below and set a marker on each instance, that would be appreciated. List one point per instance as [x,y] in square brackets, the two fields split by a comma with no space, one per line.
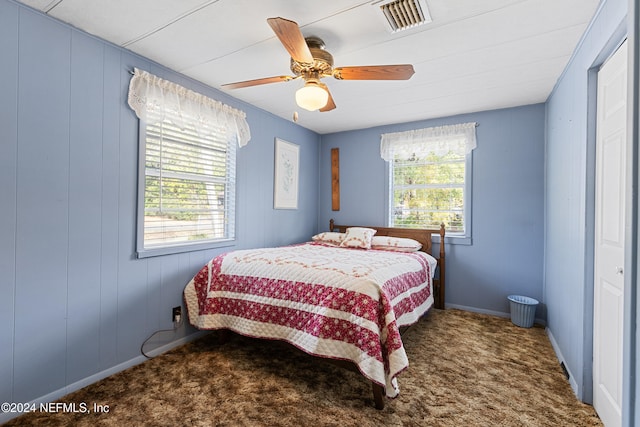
[345,295]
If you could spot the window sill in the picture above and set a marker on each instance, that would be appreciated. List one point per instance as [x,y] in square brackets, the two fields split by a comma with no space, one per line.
[454,240]
[191,247]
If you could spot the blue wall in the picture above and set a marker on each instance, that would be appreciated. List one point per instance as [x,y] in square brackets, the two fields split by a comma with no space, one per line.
[75,304]
[569,193]
[505,256]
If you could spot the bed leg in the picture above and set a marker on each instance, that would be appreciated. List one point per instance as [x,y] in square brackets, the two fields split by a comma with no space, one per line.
[378,395]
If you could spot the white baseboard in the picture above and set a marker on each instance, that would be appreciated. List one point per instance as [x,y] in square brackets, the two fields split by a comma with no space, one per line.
[60,393]
[489,312]
[478,310]
[561,359]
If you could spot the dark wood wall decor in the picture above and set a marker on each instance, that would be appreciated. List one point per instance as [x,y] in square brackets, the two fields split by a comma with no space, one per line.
[335,179]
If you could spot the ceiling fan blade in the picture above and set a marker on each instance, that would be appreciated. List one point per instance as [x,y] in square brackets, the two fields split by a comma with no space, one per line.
[374,72]
[256,82]
[292,39]
[330,103]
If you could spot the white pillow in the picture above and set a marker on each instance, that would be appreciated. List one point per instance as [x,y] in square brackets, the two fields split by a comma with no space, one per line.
[330,238]
[358,237]
[397,244]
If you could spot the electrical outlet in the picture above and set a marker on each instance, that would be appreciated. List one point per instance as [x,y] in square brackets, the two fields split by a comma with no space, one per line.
[176,314]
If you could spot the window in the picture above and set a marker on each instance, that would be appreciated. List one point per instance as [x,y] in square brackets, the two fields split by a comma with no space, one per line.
[186,180]
[430,178]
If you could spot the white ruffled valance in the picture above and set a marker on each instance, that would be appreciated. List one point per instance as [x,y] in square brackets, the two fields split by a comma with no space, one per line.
[440,140]
[151,94]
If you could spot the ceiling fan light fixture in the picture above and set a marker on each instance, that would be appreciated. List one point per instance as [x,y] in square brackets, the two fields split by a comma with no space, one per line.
[312,96]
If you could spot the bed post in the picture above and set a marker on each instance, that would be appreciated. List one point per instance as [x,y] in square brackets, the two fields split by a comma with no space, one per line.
[441,262]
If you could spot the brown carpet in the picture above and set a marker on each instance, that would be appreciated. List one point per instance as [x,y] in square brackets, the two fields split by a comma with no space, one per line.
[466,369]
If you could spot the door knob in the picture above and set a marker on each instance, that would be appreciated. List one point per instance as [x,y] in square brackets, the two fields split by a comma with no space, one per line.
[619,270]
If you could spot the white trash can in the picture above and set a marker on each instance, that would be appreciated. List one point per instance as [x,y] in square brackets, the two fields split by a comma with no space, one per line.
[523,310]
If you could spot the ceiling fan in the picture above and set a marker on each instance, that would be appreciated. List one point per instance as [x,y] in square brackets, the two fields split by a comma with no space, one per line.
[311,62]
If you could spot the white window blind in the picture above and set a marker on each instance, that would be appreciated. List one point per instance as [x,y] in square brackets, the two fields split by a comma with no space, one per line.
[189,191]
[429,177]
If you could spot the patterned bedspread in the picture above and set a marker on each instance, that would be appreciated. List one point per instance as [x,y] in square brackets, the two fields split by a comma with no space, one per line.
[328,301]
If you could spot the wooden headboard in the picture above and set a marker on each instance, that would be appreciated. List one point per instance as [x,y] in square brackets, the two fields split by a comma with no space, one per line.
[422,235]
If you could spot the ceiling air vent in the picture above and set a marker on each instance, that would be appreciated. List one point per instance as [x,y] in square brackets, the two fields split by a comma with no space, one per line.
[404,14]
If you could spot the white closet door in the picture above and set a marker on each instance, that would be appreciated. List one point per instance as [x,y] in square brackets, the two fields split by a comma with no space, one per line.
[611,146]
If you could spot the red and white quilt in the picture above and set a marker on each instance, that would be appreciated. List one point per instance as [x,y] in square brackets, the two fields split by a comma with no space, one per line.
[328,301]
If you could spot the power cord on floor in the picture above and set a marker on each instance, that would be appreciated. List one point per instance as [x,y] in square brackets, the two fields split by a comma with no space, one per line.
[176,324]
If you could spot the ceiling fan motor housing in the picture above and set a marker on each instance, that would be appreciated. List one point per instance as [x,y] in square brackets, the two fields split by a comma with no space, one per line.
[322,65]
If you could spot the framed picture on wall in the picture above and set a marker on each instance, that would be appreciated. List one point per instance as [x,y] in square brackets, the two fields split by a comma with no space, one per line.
[285,185]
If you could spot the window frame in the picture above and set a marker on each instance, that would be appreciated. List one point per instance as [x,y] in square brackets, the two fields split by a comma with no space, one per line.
[460,238]
[141,251]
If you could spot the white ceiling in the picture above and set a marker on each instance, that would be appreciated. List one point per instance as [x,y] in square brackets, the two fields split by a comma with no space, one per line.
[475,55]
